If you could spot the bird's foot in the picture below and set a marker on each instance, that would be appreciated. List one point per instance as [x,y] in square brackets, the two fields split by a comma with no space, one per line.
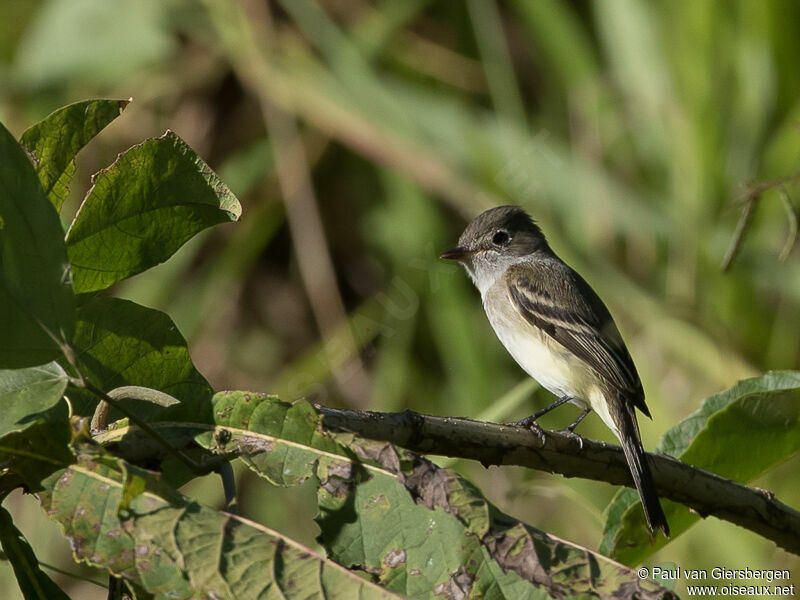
[568,431]
[531,424]
[538,432]
[526,422]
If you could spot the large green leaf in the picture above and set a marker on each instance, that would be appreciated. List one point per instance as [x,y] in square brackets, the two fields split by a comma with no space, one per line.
[175,548]
[739,434]
[34,428]
[33,582]
[285,451]
[141,209]
[25,393]
[282,442]
[36,300]
[418,529]
[53,143]
[120,343]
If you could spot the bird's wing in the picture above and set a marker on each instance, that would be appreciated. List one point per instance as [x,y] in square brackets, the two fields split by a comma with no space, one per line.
[570,312]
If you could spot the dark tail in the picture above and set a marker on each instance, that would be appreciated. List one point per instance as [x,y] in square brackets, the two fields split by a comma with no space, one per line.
[637,462]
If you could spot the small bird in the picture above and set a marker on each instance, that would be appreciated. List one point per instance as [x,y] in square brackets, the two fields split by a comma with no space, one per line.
[559,331]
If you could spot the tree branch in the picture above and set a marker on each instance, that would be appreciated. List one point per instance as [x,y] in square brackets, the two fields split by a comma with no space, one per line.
[493,444]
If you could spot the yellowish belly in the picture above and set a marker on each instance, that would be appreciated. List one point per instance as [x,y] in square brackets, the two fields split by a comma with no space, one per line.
[557,369]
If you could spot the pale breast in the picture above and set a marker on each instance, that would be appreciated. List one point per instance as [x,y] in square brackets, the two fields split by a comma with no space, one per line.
[548,362]
[556,368]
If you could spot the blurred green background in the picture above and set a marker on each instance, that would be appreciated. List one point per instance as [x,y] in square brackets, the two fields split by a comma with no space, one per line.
[360,137]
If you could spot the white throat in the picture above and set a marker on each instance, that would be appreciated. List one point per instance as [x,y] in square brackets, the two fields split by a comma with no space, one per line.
[483,276]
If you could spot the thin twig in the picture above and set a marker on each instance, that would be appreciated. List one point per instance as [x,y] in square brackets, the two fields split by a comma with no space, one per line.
[229,487]
[738,235]
[756,189]
[791,215]
[749,199]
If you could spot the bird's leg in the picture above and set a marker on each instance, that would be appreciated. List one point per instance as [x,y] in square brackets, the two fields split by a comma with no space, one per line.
[570,429]
[528,421]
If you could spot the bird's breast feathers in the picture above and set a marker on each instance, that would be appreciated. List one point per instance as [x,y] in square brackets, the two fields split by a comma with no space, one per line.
[555,368]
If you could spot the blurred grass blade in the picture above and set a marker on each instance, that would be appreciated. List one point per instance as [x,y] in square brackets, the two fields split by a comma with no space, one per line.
[488,28]
[739,434]
[53,143]
[388,18]
[558,33]
[631,38]
[349,65]
[37,307]
[141,209]
[506,405]
[248,167]
[33,582]
[92,41]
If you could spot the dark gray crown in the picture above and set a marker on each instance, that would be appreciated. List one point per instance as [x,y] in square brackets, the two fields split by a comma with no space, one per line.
[525,235]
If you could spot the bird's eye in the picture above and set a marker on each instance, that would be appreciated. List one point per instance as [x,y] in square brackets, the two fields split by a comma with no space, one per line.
[501,238]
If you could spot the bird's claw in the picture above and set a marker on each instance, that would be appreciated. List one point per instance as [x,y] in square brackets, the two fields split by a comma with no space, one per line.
[531,424]
[570,433]
[538,432]
[527,422]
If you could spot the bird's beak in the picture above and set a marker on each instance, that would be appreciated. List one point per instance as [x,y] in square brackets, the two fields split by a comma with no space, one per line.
[457,253]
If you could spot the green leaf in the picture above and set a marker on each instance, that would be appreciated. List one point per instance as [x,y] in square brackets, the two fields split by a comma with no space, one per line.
[739,434]
[419,527]
[420,530]
[33,582]
[36,300]
[34,426]
[120,343]
[53,143]
[176,548]
[134,484]
[141,209]
[25,393]
[282,442]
